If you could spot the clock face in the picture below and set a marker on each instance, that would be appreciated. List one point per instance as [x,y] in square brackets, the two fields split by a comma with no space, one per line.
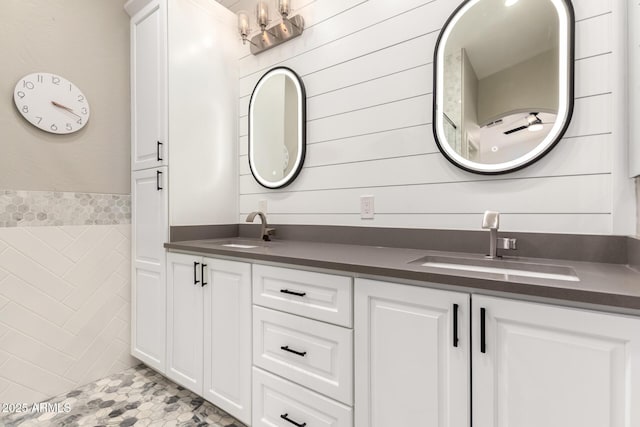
[51,103]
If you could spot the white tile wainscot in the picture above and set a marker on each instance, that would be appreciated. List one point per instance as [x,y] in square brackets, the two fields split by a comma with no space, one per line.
[64,308]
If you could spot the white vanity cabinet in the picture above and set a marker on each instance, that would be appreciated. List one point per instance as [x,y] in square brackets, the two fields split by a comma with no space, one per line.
[543,365]
[302,334]
[209,330]
[412,353]
[149,232]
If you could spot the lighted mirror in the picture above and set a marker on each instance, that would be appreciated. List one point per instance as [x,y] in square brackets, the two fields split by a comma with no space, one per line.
[277,128]
[503,94]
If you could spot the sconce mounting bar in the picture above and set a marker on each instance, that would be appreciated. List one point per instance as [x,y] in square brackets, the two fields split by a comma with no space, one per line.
[284,31]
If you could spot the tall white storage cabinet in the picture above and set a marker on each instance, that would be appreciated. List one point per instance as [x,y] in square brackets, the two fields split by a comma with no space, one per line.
[149,181]
[183,107]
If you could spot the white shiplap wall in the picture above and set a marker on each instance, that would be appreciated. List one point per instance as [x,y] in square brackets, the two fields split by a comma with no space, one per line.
[367,68]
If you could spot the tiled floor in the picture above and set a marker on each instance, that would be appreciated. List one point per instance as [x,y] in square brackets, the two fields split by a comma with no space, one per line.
[136,397]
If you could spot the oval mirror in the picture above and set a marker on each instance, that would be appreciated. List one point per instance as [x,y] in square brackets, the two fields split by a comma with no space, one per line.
[277,128]
[503,82]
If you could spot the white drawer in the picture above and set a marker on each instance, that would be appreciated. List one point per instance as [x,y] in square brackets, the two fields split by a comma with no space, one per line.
[314,354]
[320,296]
[275,401]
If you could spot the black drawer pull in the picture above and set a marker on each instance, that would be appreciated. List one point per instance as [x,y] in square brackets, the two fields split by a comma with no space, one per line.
[455,325]
[483,334]
[195,273]
[202,267]
[286,418]
[299,353]
[298,294]
[159,180]
[158,151]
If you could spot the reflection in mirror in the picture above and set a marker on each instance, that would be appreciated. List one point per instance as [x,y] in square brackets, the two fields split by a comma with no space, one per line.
[277,128]
[503,93]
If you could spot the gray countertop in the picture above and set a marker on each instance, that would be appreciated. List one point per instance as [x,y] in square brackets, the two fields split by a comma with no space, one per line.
[612,285]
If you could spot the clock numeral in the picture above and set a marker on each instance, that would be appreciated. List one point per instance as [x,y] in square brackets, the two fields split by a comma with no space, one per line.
[39,119]
[84,110]
[25,108]
[55,80]
[21,94]
[54,127]
[40,79]
[80,98]
[79,121]
[29,85]
[68,126]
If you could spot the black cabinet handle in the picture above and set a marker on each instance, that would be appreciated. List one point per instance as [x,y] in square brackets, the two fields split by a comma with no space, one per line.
[159,181]
[202,274]
[159,151]
[483,335]
[195,273]
[298,294]
[286,418]
[455,325]
[299,353]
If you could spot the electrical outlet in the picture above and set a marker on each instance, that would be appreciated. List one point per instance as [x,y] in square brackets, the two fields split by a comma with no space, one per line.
[366,207]
[262,206]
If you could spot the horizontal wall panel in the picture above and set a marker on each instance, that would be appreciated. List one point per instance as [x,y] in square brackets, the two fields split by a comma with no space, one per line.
[591,116]
[571,194]
[593,36]
[534,223]
[586,69]
[398,114]
[402,85]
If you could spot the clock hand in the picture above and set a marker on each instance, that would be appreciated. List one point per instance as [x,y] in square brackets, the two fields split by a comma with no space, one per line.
[57,104]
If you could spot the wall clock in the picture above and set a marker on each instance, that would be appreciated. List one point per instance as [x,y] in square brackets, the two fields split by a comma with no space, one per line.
[51,103]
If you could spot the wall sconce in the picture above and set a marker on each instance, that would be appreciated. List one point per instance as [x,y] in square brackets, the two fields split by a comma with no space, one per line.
[287,29]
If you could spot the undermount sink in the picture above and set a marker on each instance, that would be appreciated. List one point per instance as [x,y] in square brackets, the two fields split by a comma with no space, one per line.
[239,245]
[243,244]
[499,266]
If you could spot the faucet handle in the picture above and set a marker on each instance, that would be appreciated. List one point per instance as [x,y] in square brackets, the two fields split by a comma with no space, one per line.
[491,220]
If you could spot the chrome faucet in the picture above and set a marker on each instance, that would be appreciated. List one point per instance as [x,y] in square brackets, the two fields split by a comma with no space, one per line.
[491,222]
[265,231]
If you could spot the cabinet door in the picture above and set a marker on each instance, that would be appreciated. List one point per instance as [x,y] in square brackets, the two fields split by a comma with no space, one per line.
[551,366]
[184,320]
[408,371]
[148,290]
[227,336]
[149,87]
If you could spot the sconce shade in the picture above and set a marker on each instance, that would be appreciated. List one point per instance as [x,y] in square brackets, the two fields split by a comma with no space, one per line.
[262,14]
[284,7]
[243,24]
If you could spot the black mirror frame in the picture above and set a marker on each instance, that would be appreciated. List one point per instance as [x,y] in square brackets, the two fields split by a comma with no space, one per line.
[303,123]
[570,101]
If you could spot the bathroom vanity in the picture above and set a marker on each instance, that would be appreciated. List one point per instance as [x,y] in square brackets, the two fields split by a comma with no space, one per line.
[347,335]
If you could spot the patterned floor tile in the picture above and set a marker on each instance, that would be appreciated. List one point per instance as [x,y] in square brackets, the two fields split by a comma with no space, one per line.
[136,397]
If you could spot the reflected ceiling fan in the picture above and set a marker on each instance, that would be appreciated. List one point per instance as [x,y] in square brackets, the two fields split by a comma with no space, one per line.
[534,124]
